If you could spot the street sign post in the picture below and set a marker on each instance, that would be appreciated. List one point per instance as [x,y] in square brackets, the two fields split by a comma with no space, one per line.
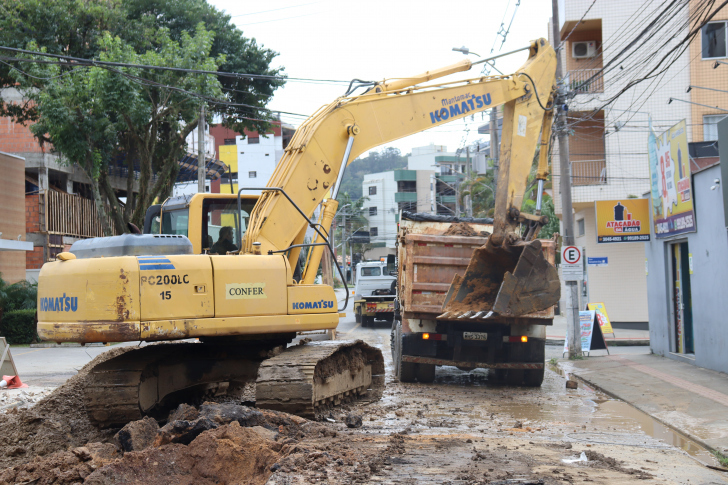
[572,263]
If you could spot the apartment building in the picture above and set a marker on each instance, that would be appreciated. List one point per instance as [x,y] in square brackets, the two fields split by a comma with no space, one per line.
[381,212]
[607,145]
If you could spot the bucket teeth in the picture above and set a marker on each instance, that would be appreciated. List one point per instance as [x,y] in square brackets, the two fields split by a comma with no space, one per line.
[466,314]
[478,315]
[444,315]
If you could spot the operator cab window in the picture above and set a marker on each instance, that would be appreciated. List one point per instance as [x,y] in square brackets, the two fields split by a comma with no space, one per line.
[372,271]
[220,230]
[175,222]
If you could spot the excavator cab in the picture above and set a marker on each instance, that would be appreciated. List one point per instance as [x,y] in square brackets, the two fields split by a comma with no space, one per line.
[201,217]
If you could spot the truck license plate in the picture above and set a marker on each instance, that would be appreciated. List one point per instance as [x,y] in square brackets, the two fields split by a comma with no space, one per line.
[475,336]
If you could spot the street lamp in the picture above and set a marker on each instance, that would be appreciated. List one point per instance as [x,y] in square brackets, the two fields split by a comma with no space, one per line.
[467,51]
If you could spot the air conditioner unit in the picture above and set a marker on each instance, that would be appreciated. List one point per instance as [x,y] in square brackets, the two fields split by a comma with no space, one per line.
[583,50]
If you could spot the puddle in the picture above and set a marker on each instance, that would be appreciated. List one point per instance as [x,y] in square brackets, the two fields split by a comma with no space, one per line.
[611,412]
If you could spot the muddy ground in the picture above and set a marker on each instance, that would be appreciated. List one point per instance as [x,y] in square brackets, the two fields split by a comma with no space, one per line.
[459,430]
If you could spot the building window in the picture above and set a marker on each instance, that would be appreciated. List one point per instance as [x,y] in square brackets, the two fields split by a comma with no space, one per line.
[581,229]
[229,141]
[373,231]
[710,127]
[253,140]
[372,211]
[252,175]
[373,190]
[714,40]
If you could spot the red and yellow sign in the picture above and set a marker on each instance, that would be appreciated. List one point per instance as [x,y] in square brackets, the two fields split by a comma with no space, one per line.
[625,220]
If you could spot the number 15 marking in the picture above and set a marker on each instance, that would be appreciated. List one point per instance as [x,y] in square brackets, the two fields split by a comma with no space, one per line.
[166,295]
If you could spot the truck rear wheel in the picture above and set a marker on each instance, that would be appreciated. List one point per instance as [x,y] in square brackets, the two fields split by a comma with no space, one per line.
[425,373]
[404,371]
[533,377]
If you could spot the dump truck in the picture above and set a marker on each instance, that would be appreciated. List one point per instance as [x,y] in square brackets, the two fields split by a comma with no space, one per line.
[431,251]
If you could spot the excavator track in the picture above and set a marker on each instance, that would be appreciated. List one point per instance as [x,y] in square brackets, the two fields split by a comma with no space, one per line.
[308,379]
[301,380]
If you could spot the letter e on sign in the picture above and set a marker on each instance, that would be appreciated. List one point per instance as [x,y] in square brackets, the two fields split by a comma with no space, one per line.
[572,263]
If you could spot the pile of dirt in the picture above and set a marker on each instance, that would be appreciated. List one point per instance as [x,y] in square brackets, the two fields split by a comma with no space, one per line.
[600,461]
[461,229]
[57,422]
[217,443]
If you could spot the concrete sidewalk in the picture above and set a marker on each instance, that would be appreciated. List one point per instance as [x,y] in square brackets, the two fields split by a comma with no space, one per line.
[556,333]
[689,399]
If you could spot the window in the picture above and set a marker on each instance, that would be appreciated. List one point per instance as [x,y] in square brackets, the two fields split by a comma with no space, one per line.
[714,40]
[373,231]
[229,141]
[175,222]
[371,271]
[581,229]
[253,140]
[221,230]
[372,211]
[252,175]
[710,127]
[373,190]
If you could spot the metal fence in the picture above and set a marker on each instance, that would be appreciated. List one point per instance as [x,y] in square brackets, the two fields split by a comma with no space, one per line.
[71,215]
[589,172]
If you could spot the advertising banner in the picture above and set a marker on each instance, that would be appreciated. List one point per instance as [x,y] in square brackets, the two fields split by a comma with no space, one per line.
[602,316]
[624,220]
[671,194]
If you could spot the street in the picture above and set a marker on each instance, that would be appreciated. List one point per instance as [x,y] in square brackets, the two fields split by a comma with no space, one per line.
[463,430]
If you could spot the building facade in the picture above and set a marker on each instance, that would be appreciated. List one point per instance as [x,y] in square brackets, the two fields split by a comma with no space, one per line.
[381,213]
[13,245]
[607,142]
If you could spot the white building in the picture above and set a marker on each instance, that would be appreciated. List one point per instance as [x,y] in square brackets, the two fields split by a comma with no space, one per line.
[608,147]
[381,212]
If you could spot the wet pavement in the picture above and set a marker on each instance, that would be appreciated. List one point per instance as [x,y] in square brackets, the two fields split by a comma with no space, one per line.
[544,425]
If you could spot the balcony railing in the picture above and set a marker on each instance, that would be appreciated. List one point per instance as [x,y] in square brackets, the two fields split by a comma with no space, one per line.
[585,81]
[589,172]
[71,215]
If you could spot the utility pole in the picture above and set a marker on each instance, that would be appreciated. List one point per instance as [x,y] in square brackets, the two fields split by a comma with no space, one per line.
[469,197]
[494,144]
[343,244]
[572,310]
[201,151]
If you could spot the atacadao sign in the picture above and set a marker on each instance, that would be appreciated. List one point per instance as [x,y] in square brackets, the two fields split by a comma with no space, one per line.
[672,193]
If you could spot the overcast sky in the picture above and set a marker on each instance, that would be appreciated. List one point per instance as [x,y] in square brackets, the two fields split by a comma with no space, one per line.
[342,40]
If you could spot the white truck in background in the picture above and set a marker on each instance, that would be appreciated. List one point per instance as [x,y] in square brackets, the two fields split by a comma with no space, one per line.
[374,293]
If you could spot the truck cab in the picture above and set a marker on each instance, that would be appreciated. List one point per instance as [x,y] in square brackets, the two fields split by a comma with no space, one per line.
[371,277]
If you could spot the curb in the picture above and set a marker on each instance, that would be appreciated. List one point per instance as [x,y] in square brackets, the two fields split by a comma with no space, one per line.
[53,345]
[610,342]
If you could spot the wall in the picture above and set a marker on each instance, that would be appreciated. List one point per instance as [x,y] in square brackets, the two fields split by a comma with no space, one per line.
[383,200]
[424,194]
[702,74]
[622,285]
[709,249]
[12,215]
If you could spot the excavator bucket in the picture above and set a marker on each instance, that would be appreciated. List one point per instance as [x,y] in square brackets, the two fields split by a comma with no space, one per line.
[510,282]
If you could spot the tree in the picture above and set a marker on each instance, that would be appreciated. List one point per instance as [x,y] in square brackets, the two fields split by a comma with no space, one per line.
[92,115]
[388,159]
[130,111]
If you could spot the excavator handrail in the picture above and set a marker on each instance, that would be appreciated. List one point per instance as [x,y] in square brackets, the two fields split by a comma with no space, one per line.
[311,224]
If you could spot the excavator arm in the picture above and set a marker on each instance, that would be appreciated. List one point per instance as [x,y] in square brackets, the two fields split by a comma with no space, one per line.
[313,165]
[314,161]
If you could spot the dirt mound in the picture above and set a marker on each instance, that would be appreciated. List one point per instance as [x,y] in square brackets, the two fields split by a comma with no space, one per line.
[481,297]
[461,229]
[63,467]
[58,422]
[228,454]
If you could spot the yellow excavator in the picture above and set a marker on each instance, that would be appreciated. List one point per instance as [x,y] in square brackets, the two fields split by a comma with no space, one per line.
[245,304]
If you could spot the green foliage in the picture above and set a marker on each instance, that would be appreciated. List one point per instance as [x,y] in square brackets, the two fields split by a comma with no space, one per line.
[22,295]
[553,361]
[722,459]
[19,327]
[480,188]
[355,220]
[547,209]
[376,161]
[91,114]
